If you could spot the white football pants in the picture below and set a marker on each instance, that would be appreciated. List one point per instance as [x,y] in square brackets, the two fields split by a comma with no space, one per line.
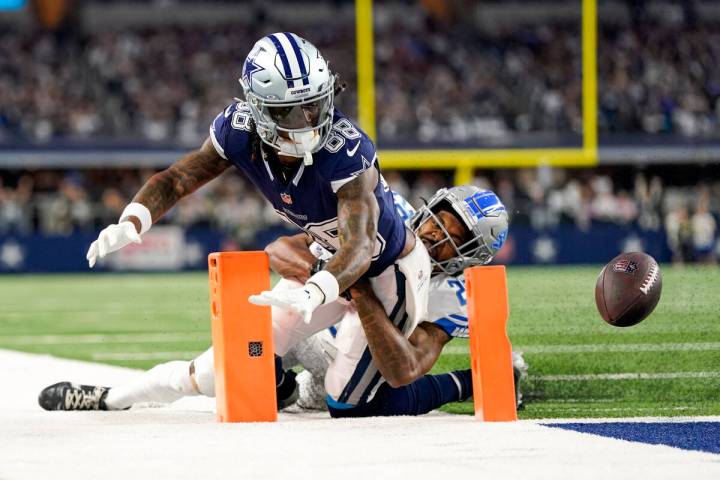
[351,376]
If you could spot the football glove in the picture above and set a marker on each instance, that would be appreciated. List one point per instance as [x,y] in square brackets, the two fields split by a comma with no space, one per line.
[112,238]
[303,300]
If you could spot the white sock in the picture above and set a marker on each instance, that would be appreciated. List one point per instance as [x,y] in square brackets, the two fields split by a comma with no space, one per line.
[205,372]
[163,383]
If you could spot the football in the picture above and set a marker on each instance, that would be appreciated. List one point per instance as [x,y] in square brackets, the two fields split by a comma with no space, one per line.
[628,289]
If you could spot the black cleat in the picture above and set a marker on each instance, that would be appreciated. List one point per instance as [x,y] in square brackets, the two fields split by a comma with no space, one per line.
[71,396]
[288,391]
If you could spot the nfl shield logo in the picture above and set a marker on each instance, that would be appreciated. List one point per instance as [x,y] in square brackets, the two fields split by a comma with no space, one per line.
[625,266]
[286,198]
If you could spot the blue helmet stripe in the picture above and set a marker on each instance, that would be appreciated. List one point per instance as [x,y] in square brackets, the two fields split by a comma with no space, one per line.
[283,57]
[484,203]
[299,57]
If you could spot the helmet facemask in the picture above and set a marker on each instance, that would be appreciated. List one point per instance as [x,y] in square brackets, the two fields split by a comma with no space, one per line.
[294,128]
[474,251]
[485,233]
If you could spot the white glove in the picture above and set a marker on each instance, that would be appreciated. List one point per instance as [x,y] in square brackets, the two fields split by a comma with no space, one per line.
[112,238]
[303,300]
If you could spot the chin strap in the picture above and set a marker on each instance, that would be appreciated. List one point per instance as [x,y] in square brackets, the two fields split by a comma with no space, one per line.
[308,159]
[307,141]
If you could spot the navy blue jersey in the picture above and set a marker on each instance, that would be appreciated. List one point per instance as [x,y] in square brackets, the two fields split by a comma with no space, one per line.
[308,199]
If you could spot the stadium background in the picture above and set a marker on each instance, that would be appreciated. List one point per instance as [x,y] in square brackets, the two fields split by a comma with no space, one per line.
[598,125]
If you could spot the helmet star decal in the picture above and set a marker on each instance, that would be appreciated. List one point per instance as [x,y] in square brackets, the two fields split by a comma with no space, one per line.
[249,68]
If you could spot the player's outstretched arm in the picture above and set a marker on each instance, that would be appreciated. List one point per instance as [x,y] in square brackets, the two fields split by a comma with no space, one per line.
[157,196]
[164,189]
[358,213]
[400,360]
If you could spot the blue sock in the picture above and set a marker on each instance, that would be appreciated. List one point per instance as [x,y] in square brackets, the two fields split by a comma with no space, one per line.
[422,396]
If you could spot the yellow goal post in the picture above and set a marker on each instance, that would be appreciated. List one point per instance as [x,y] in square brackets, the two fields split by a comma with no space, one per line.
[464,161]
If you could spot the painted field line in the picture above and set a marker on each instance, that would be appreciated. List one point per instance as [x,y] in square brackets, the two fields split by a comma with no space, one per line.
[626,376]
[183,355]
[178,355]
[627,347]
[636,419]
[73,339]
[650,329]
[598,348]
[607,409]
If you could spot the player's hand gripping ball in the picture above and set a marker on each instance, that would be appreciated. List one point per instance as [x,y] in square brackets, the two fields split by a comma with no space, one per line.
[628,289]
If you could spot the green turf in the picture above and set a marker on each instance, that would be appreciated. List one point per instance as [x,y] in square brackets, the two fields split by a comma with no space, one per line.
[141,320]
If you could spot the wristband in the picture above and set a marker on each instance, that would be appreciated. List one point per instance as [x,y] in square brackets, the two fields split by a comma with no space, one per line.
[140,211]
[320,265]
[328,285]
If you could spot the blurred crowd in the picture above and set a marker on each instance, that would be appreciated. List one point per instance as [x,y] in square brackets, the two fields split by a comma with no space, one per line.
[58,203]
[435,83]
[462,84]
[62,202]
[158,85]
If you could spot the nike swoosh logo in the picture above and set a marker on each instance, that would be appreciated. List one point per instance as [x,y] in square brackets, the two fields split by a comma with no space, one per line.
[349,152]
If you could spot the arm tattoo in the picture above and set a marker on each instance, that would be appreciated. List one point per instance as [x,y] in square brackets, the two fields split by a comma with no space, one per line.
[164,189]
[390,350]
[400,360]
[358,214]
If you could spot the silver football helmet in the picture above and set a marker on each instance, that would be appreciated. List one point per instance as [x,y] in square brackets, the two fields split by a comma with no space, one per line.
[290,90]
[483,215]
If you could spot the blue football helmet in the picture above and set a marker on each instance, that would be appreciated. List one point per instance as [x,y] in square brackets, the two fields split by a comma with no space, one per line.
[483,215]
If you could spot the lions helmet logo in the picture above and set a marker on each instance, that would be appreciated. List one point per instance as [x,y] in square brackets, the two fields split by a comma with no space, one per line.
[485,204]
[500,240]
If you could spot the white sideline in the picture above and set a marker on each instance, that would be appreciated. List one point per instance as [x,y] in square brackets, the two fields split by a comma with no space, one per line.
[183,441]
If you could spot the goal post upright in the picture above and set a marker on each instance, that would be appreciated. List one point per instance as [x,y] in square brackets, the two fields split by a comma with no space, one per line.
[365,57]
[465,161]
[589,88]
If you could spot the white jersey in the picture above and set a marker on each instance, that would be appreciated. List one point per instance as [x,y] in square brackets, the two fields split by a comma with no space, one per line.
[446,308]
[447,304]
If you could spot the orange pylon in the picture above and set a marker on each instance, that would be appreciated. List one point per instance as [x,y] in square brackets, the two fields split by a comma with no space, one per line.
[242,338]
[490,349]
